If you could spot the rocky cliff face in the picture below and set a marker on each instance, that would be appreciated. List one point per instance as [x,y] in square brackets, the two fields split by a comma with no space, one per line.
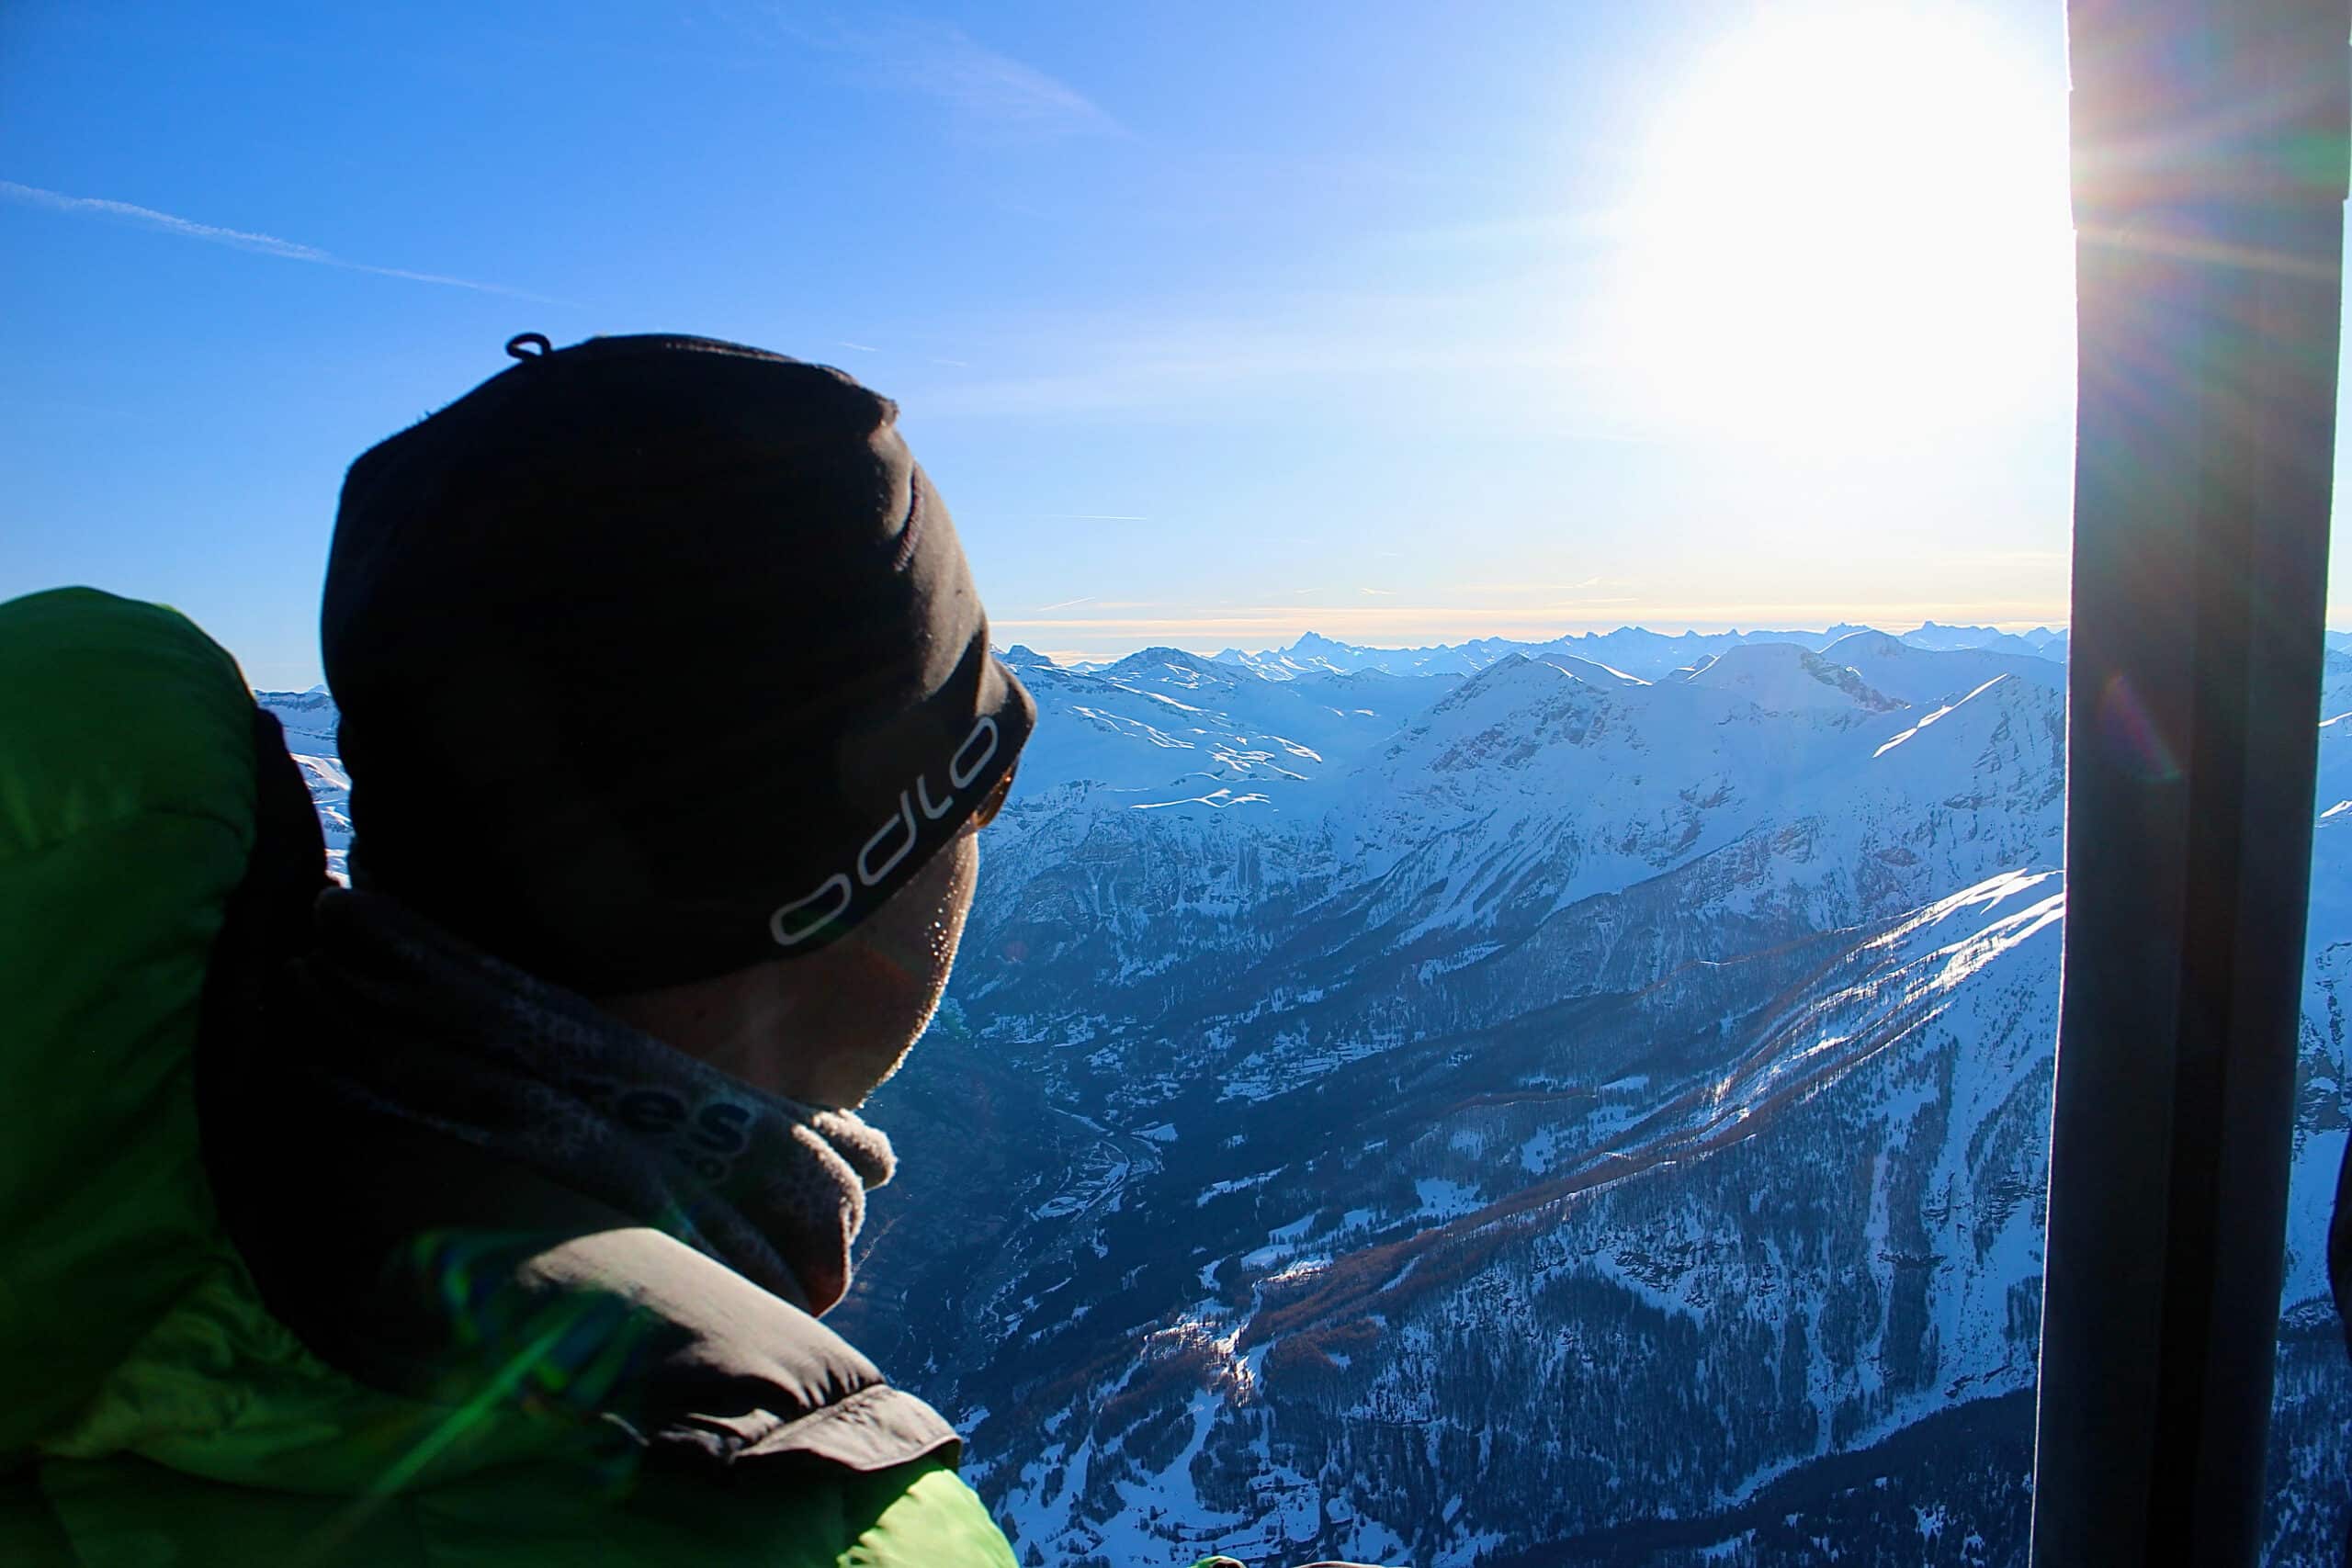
[1529,1112]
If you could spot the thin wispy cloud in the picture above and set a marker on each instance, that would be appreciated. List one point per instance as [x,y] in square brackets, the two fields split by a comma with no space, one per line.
[983,87]
[1383,593]
[857,347]
[1513,233]
[970,77]
[243,240]
[1527,590]
[1065,605]
[1357,348]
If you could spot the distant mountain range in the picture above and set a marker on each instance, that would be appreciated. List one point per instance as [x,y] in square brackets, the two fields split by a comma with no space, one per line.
[1504,1103]
[1633,649]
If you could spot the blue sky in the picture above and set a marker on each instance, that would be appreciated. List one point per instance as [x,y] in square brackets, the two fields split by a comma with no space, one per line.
[1214,324]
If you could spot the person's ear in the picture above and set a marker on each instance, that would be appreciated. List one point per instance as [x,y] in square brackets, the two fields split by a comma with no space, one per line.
[995,802]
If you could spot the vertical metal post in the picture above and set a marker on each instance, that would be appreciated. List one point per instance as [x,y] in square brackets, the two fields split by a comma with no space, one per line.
[2210,170]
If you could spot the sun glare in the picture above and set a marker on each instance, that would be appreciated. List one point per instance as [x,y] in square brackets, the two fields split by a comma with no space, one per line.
[1850,223]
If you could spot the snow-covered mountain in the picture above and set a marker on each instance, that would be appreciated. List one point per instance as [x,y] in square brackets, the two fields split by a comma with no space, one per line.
[1586,1102]
[309,719]
[1633,651]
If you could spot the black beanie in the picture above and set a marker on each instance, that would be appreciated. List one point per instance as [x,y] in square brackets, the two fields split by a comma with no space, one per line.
[657,656]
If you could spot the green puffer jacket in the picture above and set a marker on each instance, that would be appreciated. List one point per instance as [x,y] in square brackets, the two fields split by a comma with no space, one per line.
[154,1410]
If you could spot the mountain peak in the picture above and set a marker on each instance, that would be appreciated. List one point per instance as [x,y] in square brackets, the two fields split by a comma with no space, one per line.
[1782,677]
[1153,661]
[1863,641]
[1502,672]
[1158,654]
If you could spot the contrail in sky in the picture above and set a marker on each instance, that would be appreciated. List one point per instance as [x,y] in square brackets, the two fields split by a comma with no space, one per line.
[261,244]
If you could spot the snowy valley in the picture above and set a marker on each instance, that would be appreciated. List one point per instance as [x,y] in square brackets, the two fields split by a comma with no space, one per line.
[1526,1103]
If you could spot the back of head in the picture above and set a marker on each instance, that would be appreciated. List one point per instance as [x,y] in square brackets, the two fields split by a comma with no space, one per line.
[657,656]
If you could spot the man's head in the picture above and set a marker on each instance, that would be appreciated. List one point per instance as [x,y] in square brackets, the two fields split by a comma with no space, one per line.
[659,662]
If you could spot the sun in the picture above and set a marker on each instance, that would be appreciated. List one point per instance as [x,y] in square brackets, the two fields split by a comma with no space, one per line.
[1849,224]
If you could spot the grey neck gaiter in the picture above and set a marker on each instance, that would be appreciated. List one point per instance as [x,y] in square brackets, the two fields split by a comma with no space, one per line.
[478,1050]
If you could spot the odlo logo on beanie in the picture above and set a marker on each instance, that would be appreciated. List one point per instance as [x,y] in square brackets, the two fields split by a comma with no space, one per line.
[795,922]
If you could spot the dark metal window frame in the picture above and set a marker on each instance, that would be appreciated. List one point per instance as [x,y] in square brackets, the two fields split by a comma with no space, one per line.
[2210,176]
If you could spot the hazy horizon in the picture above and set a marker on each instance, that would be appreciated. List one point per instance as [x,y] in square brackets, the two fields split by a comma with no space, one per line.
[1070,657]
[1121,647]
